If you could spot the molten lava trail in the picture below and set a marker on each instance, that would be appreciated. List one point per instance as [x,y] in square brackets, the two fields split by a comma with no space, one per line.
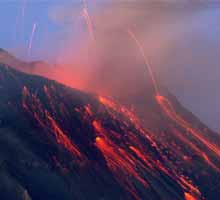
[141,49]
[115,158]
[189,196]
[31,38]
[166,105]
[33,106]
[172,114]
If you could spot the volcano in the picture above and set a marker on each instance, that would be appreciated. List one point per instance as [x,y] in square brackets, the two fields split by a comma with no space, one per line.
[61,143]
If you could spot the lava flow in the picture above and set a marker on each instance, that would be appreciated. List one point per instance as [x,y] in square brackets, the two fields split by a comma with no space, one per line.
[31,104]
[172,114]
[184,181]
[85,136]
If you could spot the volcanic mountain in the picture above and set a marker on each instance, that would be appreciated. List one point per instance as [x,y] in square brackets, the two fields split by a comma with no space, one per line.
[61,143]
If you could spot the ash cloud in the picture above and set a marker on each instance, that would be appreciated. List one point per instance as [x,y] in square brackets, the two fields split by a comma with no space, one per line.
[180,41]
[113,62]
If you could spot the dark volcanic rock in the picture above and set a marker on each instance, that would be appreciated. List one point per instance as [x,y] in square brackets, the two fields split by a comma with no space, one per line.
[60,143]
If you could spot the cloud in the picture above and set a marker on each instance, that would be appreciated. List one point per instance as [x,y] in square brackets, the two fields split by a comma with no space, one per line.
[175,38]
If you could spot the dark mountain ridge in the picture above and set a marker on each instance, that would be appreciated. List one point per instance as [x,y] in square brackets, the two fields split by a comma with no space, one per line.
[60,143]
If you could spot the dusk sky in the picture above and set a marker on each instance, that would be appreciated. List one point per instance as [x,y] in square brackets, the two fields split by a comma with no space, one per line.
[184,46]
[17,18]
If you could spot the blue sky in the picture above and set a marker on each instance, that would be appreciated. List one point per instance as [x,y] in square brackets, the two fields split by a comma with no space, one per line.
[15,30]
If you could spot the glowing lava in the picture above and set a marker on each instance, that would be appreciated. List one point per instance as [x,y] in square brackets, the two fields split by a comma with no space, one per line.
[121,164]
[34,107]
[189,196]
[172,114]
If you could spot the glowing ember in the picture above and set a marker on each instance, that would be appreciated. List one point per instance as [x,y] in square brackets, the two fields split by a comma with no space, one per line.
[31,38]
[33,106]
[171,113]
[61,137]
[132,35]
[107,102]
[189,196]
[120,163]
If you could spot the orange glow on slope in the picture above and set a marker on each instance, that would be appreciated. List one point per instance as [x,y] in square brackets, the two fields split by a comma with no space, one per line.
[189,196]
[61,137]
[138,153]
[121,164]
[88,110]
[171,113]
[187,184]
[107,102]
[120,109]
[196,149]
[142,155]
[33,106]
[98,127]
[210,162]
[144,158]
[128,161]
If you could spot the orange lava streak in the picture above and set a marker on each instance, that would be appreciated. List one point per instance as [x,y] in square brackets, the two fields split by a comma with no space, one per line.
[171,113]
[189,196]
[182,180]
[98,127]
[88,110]
[140,155]
[118,160]
[120,164]
[141,49]
[120,109]
[206,158]
[107,102]
[33,106]
[196,149]
[61,137]
[31,38]
[188,185]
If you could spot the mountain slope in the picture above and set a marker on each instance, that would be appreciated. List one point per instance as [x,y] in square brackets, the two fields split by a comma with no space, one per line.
[191,147]
[184,153]
[60,143]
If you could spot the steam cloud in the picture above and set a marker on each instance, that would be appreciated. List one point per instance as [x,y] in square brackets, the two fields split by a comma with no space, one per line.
[180,41]
[112,63]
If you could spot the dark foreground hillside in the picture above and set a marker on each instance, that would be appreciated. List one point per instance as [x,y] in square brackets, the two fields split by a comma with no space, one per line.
[60,143]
